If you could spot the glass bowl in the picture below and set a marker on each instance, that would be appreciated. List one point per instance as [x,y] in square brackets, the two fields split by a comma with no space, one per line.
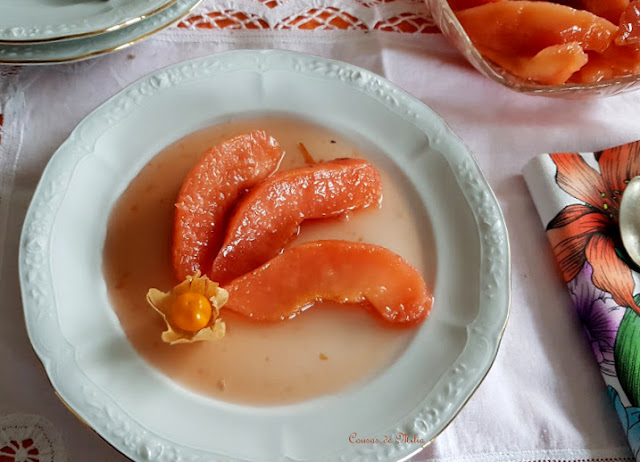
[446,20]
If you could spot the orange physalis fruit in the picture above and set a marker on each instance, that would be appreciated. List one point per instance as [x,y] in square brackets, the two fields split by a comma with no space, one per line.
[190,310]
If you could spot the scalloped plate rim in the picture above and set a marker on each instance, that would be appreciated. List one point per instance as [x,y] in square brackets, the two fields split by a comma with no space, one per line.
[494,303]
[96,45]
[125,14]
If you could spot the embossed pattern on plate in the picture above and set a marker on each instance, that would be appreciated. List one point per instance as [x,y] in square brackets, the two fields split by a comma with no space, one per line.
[88,47]
[39,20]
[97,373]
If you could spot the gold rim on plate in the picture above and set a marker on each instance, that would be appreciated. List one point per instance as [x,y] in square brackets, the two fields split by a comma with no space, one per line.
[125,23]
[104,51]
[473,391]
[477,387]
[404,459]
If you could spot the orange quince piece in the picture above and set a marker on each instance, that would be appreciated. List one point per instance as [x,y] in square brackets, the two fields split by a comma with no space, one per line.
[524,28]
[553,65]
[629,31]
[608,9]
[341,271]
[209,192]
[269,216]
[615,61]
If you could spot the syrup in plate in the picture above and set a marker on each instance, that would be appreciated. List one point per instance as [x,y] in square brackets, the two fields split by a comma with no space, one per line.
[323,350]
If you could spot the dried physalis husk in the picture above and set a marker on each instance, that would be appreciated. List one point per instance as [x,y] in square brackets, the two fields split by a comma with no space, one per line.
[164,302]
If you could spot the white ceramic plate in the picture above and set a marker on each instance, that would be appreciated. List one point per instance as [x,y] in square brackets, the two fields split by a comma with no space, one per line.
[97,373]
[43,20]
[89,47]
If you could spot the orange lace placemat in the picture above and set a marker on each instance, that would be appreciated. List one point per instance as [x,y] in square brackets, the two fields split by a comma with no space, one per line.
[405,16]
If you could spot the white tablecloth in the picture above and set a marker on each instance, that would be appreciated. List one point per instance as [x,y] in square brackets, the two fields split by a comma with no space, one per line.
[544,398]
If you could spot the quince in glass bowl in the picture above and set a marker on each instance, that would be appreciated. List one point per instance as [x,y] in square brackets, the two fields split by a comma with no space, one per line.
[573,49]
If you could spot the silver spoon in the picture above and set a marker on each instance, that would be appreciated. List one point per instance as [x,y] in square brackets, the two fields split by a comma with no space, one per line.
[629,219]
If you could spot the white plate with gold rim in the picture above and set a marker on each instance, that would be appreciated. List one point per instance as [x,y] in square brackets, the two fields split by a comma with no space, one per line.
[27,21]
[98,374]
[88,47]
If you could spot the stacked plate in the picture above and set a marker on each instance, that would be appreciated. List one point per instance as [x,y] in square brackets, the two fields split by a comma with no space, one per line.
[59,31]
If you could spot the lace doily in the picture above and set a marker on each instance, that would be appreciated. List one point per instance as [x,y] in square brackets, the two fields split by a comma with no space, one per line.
[408,16]
[29,438]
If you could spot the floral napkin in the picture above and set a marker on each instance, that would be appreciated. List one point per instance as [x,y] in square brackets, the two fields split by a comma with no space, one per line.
[577,196]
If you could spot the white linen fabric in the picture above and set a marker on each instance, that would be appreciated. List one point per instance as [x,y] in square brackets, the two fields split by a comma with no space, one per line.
[544,398]
[11,106]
